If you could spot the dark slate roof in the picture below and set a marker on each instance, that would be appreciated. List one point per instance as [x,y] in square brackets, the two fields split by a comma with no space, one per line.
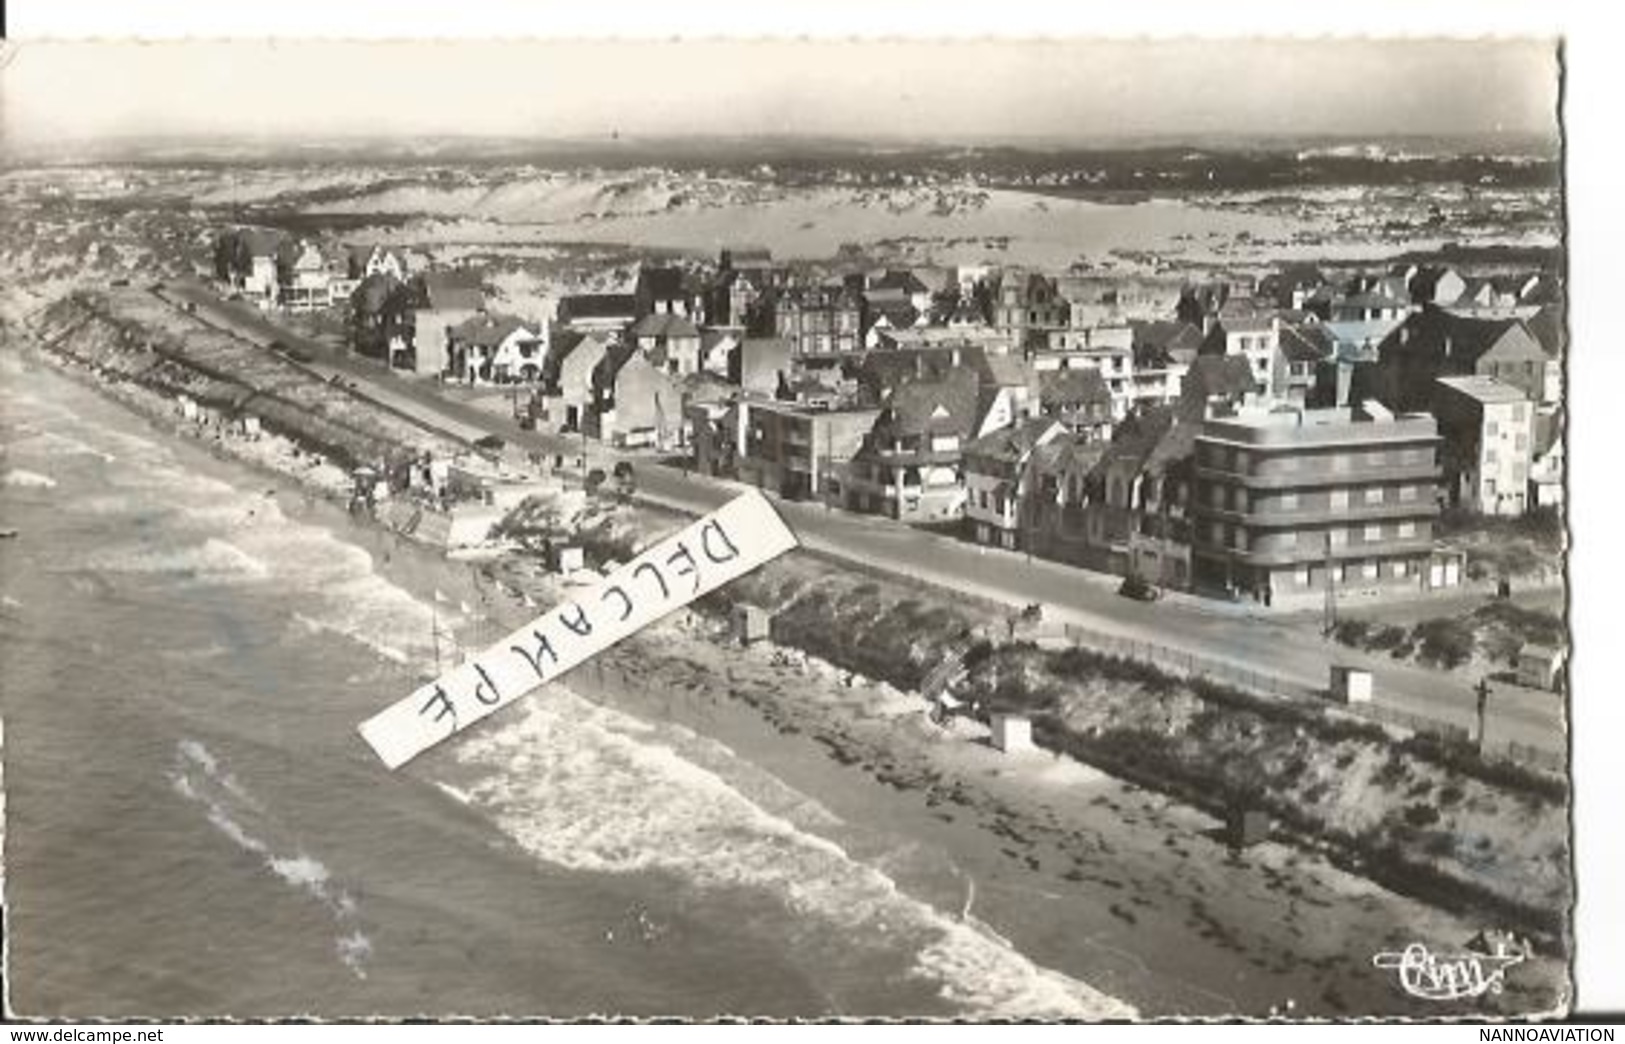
[452,288]
[374,292]
[1210,375]
[1072,387]
[1135,438]
[664,283]
[597,306]
[1306,342]
[1427,332]
[1546,326]
[946,406]
[1013,443]
[487,331]
[259,242]
[900,279]
[1158,341]
[1066,453]
[665,325]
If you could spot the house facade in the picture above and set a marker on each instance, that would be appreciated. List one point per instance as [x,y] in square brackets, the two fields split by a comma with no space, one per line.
[910,465]
[820,320]
[1488,431]
[1289,502]
[999,479]
[797,453]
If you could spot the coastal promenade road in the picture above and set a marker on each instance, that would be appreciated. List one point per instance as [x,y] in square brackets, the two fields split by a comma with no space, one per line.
[1285,647]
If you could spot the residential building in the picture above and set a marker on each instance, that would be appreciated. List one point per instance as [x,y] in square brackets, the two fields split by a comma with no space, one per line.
[499,349]
[999,478]
[1434,285]
[1109,350]
[887,309]
[381,320]
[1488,432]
[600,313]
[1546,464]
[635,402]
[1079,400]
[365,261]
[245,259]
[670,341]
[566,392]
[797,453]
[1289,502]
[303,281]
[1303,351]
[1434,343]
[760,364]
[820,320]
[445,299]
[909,466]
[1028,307]
[667,291]
[718,344]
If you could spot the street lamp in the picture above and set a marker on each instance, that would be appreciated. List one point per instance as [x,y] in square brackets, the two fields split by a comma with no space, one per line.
[1482,691]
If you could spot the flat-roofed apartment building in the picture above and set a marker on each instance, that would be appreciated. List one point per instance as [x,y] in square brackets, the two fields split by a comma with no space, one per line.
[1285,496]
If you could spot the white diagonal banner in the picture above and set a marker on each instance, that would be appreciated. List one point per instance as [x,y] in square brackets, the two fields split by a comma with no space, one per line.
[724,545]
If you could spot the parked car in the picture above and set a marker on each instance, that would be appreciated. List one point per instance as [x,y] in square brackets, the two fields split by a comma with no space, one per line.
[1135,587]
[489,443]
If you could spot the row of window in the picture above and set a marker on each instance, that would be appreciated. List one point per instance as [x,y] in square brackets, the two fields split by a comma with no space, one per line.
[1240,461]
[1240,538]
[1344,572]
[1237,498]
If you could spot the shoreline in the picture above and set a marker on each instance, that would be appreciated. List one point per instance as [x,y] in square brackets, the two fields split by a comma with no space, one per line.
[870,758]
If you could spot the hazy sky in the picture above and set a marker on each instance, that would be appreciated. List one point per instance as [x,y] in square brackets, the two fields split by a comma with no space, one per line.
[971,91]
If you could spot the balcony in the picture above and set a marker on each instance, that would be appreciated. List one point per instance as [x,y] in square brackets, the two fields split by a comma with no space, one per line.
[1309,555]
[1323,475]
[1327,515]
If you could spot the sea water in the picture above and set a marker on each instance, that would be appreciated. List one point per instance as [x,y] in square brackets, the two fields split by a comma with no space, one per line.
[193,826]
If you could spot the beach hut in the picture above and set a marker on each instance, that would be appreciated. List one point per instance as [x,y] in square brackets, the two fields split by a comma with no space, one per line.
[1248,826]
[751,624]
[1540,666]
[1011,732]
[567,560]
[251,426]
[1350,684]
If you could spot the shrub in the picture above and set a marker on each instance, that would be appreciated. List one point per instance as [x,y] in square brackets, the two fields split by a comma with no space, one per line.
[1421,816]
[1388,636]
[1445,642]
[1351,632]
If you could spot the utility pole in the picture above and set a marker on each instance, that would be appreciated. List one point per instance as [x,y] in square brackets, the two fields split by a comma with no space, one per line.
[1482,691]
[1330,621]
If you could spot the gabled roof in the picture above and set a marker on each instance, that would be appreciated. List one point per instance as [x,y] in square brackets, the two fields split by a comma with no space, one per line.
[663,283]
[1071,388]
[1230,376]
[899,279]
[1546,327]
[376,291]
[597,306]
[1307,342]
[945,406]
[1135,438]
[1160,340]
[665,325]
[1435,332]
[457,288]
[1002,371]
[1012,445]
[489,331]
[1065,453]
[259,242]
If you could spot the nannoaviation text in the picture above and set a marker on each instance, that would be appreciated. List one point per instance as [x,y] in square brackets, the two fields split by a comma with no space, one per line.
[1546,1033]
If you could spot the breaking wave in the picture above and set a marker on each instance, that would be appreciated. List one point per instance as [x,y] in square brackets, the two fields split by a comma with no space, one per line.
[29,479]
[197,776]
[588,788]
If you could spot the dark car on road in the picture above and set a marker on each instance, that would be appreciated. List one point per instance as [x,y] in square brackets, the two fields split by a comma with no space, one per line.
[489,443]
[1135,587]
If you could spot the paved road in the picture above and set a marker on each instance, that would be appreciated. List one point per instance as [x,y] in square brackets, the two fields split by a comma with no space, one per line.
[1285,647]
